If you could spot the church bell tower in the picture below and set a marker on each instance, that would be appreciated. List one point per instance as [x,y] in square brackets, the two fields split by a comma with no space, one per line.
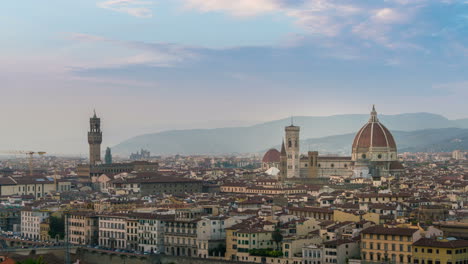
[94,140]
[292,150]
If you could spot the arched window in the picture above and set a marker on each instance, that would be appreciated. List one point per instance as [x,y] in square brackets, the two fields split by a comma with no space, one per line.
[289,143]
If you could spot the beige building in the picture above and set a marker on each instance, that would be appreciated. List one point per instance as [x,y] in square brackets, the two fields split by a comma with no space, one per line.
[83,228]
[312,212]
[293,153]
[180,237]
[112,231]
[36,186]
[458,155]
[31,222]
[132,233]
[44,230]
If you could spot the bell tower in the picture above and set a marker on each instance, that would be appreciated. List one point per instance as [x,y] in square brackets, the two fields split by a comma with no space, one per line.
[292,150]
[94,140]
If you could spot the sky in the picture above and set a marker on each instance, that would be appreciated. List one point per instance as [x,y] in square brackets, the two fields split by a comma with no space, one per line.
[153,65]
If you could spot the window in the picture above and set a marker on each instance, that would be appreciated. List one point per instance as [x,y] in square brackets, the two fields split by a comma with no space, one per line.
[449,252]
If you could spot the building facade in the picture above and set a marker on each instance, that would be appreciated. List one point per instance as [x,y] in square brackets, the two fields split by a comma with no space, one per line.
[31,223]
[83,228]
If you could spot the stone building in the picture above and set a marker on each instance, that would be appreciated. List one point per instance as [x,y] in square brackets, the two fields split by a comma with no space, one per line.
[374,155]
[95,140]
[86,170]
[374,151]
[169,185]
[292,151]
[181,233]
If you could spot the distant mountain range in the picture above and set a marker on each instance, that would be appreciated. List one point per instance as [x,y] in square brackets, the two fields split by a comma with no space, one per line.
[427,140]
[331,134]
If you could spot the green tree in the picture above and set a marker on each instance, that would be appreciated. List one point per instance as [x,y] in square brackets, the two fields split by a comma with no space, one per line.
[57,227]
[277,237]
[39,260]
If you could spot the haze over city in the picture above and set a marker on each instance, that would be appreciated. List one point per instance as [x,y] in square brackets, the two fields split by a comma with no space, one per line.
[234,132]
[149,66]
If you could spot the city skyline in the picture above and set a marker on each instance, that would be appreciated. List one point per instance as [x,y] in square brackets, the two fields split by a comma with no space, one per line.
[149,66]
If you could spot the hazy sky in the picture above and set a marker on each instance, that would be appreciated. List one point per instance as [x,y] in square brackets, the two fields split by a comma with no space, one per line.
[150,65]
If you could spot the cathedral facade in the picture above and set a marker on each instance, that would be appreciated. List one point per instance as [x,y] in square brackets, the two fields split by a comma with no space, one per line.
[374,155]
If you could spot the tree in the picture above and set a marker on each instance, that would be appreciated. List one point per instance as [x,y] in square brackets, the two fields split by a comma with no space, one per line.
[39,260]
[277,237]
[57,227]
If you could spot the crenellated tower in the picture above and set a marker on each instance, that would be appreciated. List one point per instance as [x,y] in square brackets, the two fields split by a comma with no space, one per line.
[95,139]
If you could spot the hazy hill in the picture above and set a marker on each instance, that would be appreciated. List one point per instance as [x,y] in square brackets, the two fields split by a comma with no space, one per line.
[263,136]
[441,139]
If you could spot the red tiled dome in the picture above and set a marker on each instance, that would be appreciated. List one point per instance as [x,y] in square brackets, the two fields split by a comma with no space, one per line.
[271,156]
[374,134]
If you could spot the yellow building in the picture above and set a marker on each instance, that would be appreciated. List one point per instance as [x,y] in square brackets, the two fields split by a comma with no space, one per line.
[248,235]
[440,251]
[44,231]
[340,216]
[380,243]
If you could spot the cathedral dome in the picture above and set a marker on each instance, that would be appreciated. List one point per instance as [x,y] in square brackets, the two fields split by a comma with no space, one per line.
[271,156]
[374,138]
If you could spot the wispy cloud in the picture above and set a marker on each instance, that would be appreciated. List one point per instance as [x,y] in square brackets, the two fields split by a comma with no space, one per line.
[240,8]
[375,21]
[112,53]
[137,8]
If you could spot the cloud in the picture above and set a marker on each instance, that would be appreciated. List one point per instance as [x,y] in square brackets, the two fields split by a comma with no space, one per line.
[378,21]
[137,8]
[112,53]
[240,8]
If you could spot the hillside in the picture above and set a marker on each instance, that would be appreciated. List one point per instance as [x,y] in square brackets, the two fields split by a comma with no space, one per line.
[427,140]
[263,136]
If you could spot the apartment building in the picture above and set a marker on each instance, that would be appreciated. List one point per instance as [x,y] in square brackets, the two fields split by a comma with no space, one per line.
[112,231]
[83,228]
[31,222]
[151,232]
[440,251]
[382,243]
[181,232]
